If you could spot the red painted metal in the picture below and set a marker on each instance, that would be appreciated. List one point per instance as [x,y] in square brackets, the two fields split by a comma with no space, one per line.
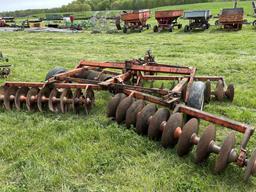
[167,20]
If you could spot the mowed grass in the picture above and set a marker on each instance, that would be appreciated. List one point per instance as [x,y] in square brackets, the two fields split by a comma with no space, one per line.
[55,152]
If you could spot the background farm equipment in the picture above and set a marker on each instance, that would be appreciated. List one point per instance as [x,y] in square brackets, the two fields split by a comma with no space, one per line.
[2,23]
[177,123]
[198,20]
[58,21]
[134,21]
[167,20]
[231,19]
[7,22]
[4,68]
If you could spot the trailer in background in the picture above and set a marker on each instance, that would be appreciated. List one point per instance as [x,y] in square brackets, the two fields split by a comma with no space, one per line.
[231,19]
[198,20]
[167,20]
[133,21]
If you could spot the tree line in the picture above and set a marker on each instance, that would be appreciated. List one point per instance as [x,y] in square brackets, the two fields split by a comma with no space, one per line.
[99,5]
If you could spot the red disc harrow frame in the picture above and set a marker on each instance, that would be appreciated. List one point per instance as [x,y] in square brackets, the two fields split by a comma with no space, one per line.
[136,103]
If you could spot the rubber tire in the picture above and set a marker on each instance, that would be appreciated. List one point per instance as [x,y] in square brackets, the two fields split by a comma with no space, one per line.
[55,71]
[155,29]
[254,23]
[113,104]
[131,113]
[122,108]
[142,118]
[160,116]
[186,28]
[196,95]
[125,30]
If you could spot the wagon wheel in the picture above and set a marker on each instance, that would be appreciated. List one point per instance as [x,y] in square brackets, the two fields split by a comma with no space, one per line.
[155,29]
[254,23]
[207,25]
[125,29]
[197,95]
[55,71]
[240,26]
[186,28]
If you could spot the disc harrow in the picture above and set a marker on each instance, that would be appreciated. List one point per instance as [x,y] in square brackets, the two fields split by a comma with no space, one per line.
[169,115]
[58,99]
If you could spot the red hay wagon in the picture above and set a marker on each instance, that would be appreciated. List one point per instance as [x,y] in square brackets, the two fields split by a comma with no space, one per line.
[135,20]
[232,19]
[167,20]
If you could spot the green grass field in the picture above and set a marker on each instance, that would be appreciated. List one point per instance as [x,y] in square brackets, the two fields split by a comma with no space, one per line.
[49,152]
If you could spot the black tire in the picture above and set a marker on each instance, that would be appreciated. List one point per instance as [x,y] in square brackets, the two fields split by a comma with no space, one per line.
[196,95]
[170,29]
[186,29]
[148,26]
[125,30]
[216,22]
[207,25]
[254,23]
[179,26]
[155,29]
[53,72]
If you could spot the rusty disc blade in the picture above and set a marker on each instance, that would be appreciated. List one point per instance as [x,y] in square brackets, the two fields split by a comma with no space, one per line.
[223,157]
[154,131]
[219,92]
[122,108]
[76,104]
[202,150]
[9,97]
[168,138]
[185,145]
[54,106]
[250,168]
[43,99]
[131,113]
[64,105]
[89,99]
[113,104]
[207,92]
[31,101]
[230,93]
[20,97]
[142,118]
[1,97]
